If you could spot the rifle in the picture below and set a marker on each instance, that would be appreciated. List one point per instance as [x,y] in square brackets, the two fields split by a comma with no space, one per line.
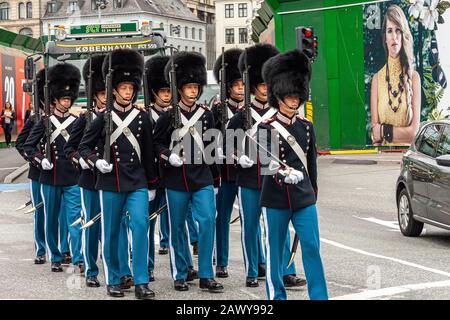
[147,96]
[47,123]
[222,107]
[108,115]
[175,117]
[89,104]
[248,121]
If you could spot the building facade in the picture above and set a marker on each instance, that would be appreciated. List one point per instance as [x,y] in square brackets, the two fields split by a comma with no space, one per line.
[22,16]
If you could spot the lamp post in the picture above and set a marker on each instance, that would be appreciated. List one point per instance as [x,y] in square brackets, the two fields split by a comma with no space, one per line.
[101,4]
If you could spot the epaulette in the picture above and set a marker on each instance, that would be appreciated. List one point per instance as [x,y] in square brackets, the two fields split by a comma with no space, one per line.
[204,106]
[304,119]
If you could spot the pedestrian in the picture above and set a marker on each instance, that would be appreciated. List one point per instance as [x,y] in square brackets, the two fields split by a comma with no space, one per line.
[8,117]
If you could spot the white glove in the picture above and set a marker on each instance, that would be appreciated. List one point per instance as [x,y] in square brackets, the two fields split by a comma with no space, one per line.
[245,162]
[216,191]
[175,160]
[46,165]
[83,164]
[220,154]
[103,166]
[294,177]
[151,195]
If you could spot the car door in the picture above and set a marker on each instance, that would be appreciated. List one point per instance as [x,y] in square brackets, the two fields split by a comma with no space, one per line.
[439,186]
[420,168]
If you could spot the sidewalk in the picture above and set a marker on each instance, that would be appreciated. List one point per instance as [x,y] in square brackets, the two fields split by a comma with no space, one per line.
[381,158]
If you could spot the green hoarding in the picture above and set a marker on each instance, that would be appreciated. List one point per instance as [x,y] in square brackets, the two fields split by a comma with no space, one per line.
[104,28]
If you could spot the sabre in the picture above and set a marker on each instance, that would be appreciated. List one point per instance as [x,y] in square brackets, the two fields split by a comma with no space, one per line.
[235,219]
[92,221]
[79,220]
[293,250]
[157,212]
[32,210]
[24,205]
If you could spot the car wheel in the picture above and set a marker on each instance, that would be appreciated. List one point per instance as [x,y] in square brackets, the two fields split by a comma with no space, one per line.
[408,226]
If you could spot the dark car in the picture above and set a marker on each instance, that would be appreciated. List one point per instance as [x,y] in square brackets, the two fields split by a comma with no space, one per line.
[423,187]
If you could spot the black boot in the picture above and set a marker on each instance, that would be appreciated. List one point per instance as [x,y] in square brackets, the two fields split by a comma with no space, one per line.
[66,258]
[92,282]
[251,282]
[211,284]
[142,292]
[39,260]
[221,272]
[291,280]
[115,291]
[126,282]
[56,267]
[180,285]
[261,271]
[80,267]
[192,274]
[163,250]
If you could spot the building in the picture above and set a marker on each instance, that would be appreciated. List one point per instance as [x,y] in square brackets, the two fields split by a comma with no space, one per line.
[183,29]
[205,11]
[22,16]
[234,23]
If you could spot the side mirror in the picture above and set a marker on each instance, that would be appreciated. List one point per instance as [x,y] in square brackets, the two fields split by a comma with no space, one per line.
[443,160]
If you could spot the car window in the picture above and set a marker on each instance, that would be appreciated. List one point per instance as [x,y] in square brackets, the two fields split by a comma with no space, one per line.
[429,140]
[444,145]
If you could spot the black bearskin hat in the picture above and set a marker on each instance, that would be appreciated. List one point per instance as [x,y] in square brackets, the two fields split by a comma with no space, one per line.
[98,83]
[190,68]
[64,81]
[128,66]
[155,74]
[287,74]
[256,56]
[232,72]
[40,80]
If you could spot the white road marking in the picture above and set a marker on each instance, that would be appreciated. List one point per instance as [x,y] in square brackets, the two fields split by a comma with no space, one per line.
[406,263]
[389,224]
[12,168]
[251,294]
[370,294]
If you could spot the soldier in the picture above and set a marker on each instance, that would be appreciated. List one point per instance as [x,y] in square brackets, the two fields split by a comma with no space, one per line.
[58,178]
[185,174]
[129,181]
[289,193]
[34,173]
[90,201]
[228,189]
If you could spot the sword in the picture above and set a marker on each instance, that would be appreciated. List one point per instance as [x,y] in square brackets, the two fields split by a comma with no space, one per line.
[235,219]
[293,250]
[92,221]
[79,220]
[157,212]
[24,205]
[32,210]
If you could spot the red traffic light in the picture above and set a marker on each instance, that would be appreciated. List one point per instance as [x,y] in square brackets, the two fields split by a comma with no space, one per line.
[307,32]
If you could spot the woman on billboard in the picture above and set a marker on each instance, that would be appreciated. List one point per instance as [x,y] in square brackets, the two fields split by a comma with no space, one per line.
[395,93]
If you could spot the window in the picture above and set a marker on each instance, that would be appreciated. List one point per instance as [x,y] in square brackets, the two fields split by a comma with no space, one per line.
[229,36]
[22,12]
[26,32]
[200,34]
[118,4]
[200,50]
[73,6]
[444,145]
[242,10]
[51,7]
[193,33]
[229,11]
[161,26]
[29,10]
[4,11]
[186,31]
[171,30]
[243,35]
[429,141]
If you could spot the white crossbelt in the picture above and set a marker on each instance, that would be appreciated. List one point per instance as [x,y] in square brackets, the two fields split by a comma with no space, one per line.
[259,119]
[187,125]
[292,142]
[59,127]
[154,114]
[122,127]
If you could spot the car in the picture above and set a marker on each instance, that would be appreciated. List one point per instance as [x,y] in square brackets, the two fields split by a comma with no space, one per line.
[423,187]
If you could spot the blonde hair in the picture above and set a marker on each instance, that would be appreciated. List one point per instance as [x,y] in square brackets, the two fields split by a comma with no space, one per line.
[396,15]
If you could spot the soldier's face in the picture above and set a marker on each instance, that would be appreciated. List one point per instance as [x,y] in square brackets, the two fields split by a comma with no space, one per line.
[164,94]
[261,92]
[124,93]
[289,105]
[237,90]
[100,100]
[65,103]
[189,93]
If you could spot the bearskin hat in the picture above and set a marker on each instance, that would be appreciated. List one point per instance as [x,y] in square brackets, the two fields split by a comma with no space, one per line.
[40,80]
[155,74]
[232,72]
[287,74]
[64,81]
[98,83]
[128,66]
[256,56]
[190,68]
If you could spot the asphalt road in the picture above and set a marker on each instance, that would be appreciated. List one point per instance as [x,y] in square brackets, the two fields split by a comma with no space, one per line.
[364,254]
[9,161]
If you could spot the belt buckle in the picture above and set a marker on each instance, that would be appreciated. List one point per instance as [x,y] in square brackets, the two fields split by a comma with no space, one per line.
[290,140]
[126,131]
[64,133]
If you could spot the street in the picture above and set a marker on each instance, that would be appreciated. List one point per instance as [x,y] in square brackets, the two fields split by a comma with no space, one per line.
[364,254]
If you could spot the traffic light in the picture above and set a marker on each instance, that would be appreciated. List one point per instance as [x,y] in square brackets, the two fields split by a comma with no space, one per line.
[307,41]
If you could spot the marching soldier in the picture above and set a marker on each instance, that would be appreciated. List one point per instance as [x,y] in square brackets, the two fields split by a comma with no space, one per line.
[185,174]
[129,181]
[228,190]
[90,201]
[33,174]
[58,178]
[289,193]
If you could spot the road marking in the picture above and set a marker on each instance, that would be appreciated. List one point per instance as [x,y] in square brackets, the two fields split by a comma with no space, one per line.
[12,168]
[251,294]
[406,263]
[14,186]
[370,294]
[389,224]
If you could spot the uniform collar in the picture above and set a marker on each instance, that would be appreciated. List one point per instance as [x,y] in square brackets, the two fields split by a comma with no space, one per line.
[60,114]
[122,109]
[285,119]
[235,104]
[186,108]
[158,108]
[260,105]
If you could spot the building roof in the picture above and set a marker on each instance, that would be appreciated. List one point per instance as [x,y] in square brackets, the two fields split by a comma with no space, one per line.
[171,8]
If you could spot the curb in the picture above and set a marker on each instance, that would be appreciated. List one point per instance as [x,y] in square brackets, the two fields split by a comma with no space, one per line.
[16,173]
[364,161]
